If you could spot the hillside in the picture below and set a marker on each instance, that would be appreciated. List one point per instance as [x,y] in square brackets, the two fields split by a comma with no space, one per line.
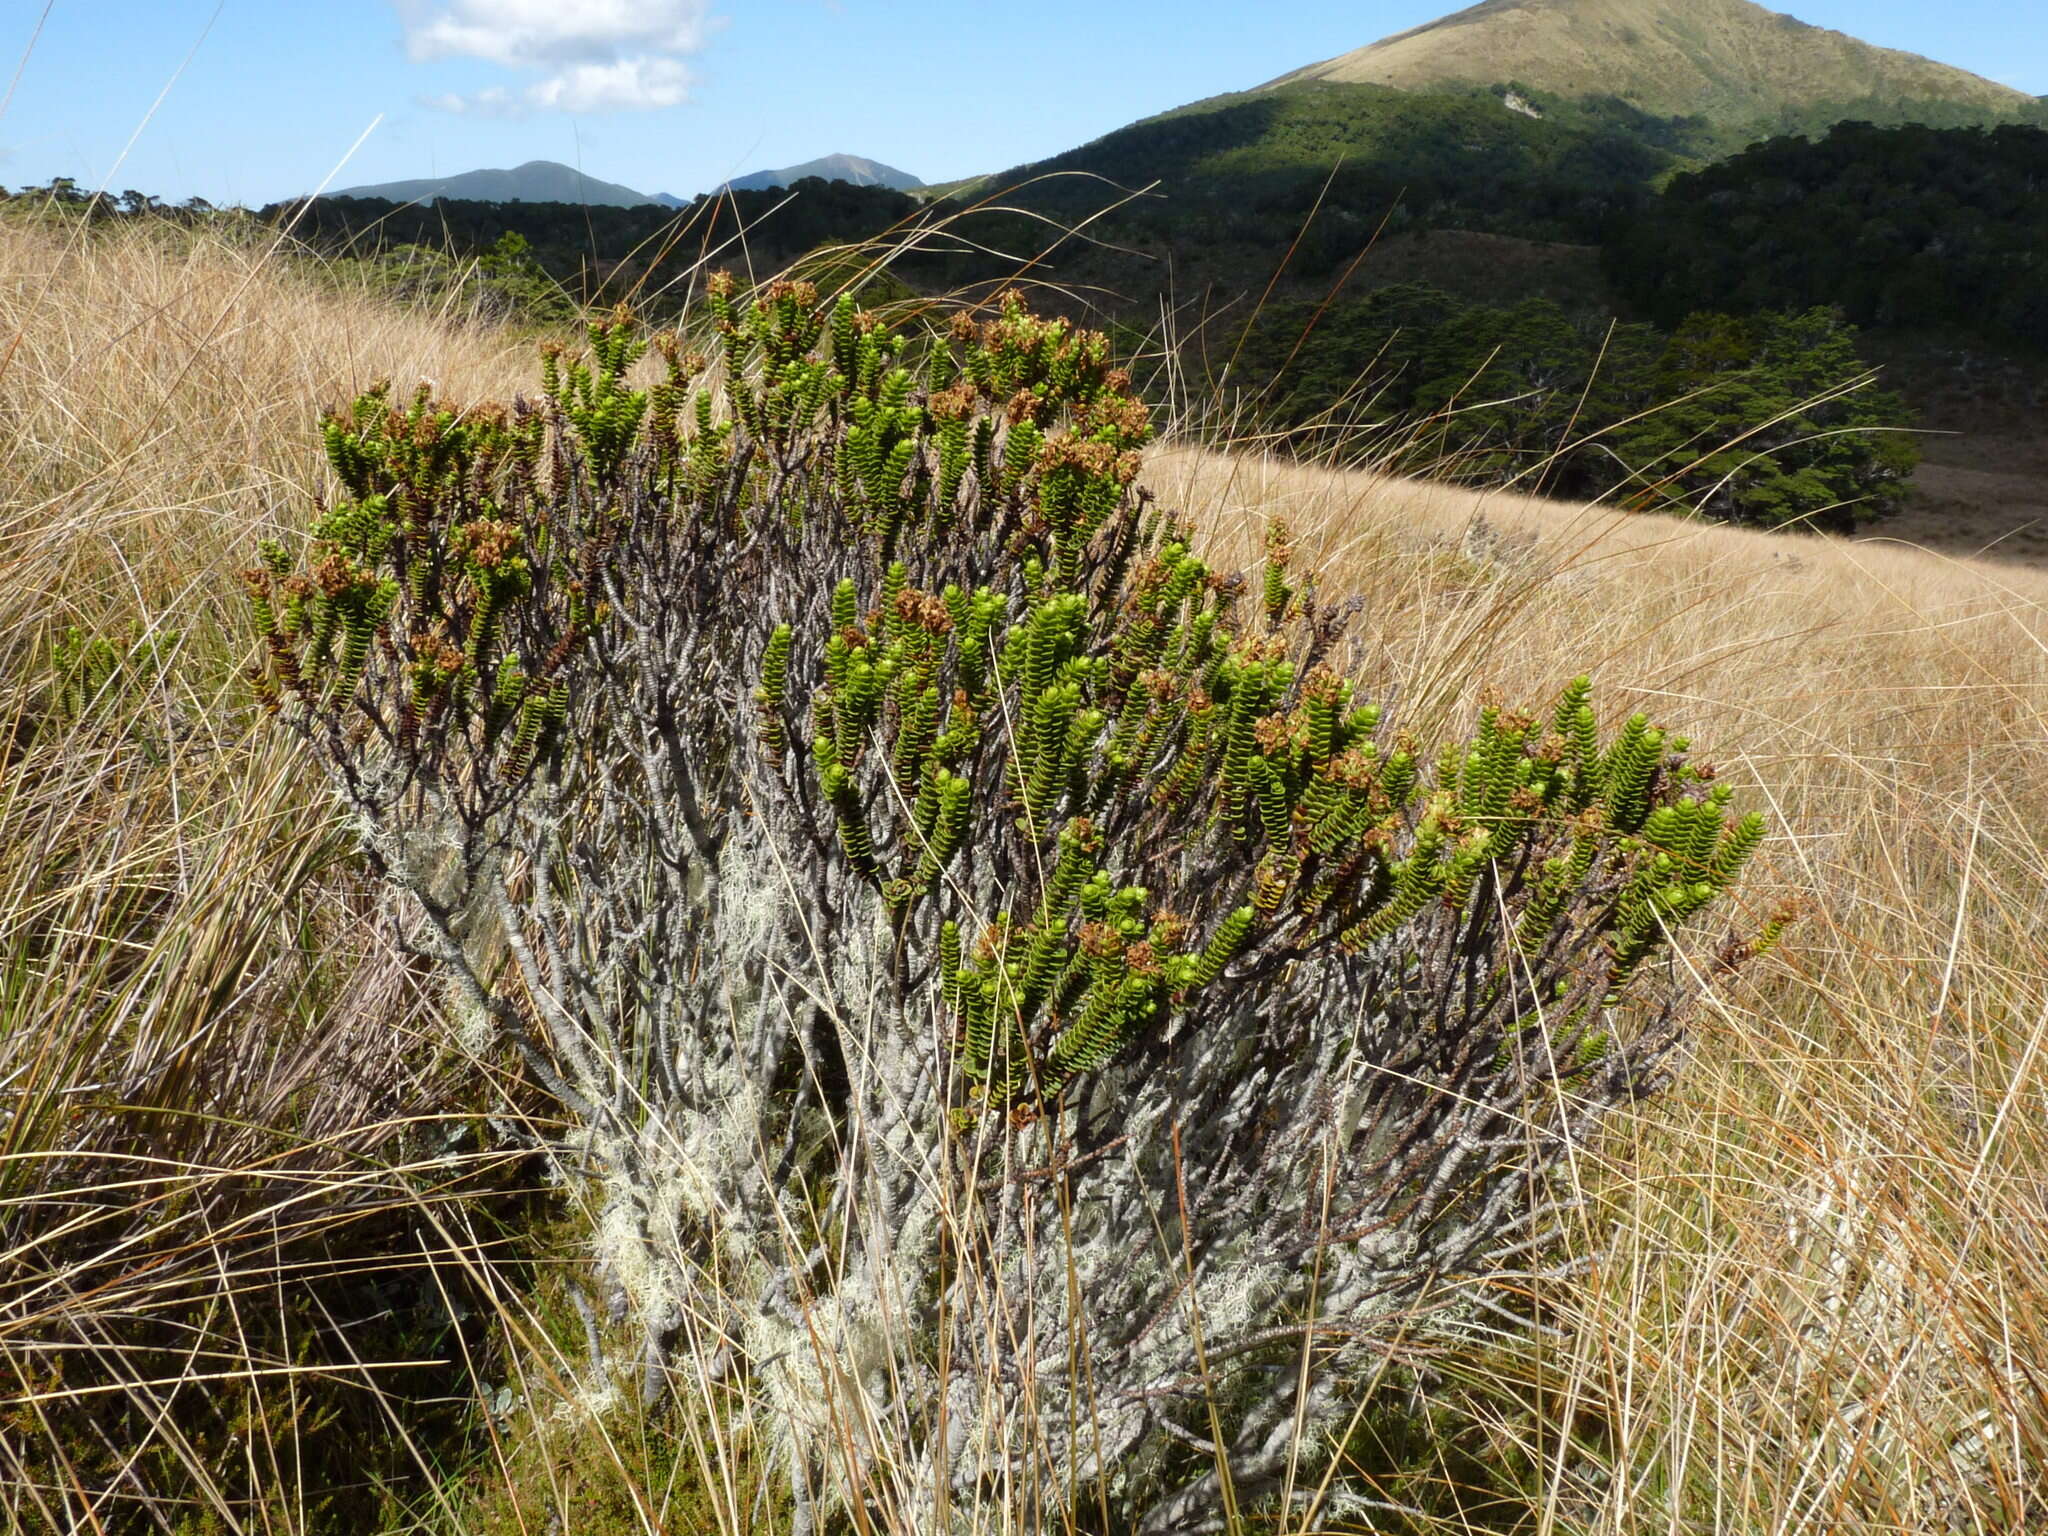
[1548,129]
[1728,60]
[1226,185]
[537,181]
[1537,119]
[854,169]
[1819,1252]
[1908,228]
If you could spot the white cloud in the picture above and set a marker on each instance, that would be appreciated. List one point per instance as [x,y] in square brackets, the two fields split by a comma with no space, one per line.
[645,80]
[492,101]
[594,55]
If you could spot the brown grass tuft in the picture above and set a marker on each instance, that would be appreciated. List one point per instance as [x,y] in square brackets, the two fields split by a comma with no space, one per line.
[212,1058]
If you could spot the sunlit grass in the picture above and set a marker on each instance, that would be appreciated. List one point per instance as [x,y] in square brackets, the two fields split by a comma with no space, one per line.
[1812,1302]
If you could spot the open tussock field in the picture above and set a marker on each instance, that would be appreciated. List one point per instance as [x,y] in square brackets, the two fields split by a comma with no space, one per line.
[264,1252]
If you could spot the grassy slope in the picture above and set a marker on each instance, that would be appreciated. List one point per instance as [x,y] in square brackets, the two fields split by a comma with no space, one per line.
[1727,59]
[1629,90]
[207,1047]
[1224,187]
[1409,129]
[1814,1302]
[1729,69]
[1252,146]
[1816,1310]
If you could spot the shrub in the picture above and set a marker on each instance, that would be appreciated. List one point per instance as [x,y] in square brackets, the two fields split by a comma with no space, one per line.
[1019,1007]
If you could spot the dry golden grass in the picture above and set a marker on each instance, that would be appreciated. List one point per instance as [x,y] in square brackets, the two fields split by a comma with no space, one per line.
[1728,59]
[208,1053]
[156,394]
[1817,1303]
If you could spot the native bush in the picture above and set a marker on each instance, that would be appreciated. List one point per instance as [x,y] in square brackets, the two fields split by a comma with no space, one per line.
[1021,1007]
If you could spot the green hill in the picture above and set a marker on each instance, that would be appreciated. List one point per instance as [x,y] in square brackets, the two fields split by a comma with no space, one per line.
[1726,60]
[1227,185]
[537,181]
[855,170]
[1544,120]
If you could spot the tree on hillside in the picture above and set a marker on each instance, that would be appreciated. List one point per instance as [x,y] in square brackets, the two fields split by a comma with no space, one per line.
[1737,418]
[1908,228]
[1760,422]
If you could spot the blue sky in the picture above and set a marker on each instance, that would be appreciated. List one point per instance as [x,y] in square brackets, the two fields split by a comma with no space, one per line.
[254,100]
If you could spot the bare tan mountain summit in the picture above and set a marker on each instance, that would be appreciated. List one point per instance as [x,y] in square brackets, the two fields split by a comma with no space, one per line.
[1724,59]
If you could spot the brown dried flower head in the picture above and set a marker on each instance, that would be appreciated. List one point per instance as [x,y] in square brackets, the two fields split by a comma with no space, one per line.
[954,403]
[1169,932]
[1099,941]
[489,541]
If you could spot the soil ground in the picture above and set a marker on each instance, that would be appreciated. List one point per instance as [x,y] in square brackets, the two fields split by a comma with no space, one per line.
[1982,488]
[1978,494]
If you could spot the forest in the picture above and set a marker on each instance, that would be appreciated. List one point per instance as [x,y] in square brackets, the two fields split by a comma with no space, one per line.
[1746,419]
[1907,228]
[599,255]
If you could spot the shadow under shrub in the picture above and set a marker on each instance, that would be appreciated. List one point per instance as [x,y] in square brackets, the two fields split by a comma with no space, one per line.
[1021,1012]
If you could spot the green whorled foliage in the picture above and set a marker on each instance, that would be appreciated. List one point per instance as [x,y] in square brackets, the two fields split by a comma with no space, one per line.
[847,680]
[85,667]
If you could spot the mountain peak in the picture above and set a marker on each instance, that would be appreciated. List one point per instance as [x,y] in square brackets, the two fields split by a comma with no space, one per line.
[537,181]
[857,169]
[1726,59]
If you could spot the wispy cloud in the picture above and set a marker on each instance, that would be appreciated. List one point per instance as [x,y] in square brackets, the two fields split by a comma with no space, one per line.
[591,55]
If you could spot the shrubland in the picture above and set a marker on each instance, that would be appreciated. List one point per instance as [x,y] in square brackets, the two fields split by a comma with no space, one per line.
[1055,1024]
[1792,1293]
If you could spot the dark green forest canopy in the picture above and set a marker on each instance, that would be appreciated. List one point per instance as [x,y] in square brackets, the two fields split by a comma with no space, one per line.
[1908,228]
[1232,181]
[1738,418]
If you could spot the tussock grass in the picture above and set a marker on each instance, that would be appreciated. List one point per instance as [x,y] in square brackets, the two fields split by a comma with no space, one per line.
[1725,59]
[1816,1302]
[1813,1301]
[212,1065]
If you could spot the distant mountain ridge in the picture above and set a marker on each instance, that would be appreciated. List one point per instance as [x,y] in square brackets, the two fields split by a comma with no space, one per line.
[1728,60]
[537,181]
[856,169]
[549,181]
